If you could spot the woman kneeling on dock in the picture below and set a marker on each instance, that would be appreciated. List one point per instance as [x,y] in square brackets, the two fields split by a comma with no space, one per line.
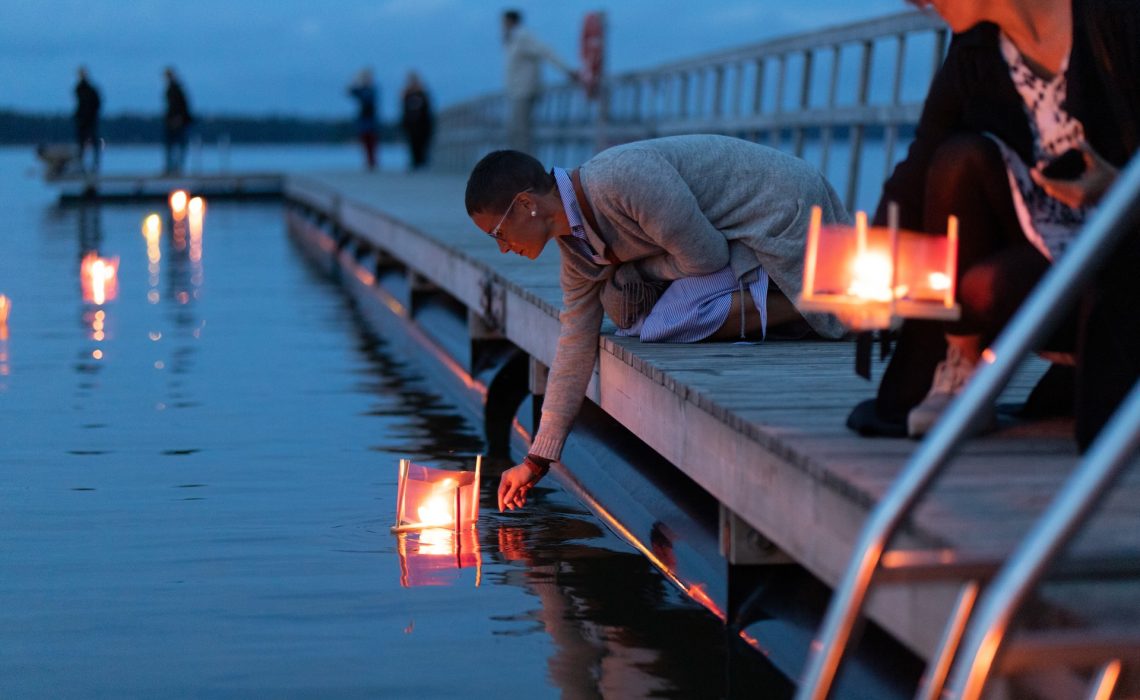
[663,236]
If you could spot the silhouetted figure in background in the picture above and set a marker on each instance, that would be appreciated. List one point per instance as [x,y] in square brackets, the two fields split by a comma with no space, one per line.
[364,91]
[417,120]
[176,125]
[87,104]
[525,55]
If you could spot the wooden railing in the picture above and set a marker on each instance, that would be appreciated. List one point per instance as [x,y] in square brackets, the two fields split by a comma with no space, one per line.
[844,98]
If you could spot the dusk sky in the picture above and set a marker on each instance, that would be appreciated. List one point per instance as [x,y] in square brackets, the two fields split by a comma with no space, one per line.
[297,56]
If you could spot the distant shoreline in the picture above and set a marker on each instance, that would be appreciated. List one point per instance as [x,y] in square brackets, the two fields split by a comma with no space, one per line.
[31,128]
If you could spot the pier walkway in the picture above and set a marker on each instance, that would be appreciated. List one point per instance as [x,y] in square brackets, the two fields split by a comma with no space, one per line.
[759,427]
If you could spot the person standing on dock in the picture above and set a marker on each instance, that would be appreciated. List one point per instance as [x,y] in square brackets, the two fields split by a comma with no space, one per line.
[1025,126]
[525,55]
[417,120]
[176,123]
[364,91]
[678,239]
[87,105]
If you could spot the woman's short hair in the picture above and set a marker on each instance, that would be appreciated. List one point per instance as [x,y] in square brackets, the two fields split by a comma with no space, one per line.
[501,175]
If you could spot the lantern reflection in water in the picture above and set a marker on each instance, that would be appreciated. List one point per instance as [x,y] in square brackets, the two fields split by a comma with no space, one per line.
[872,277]
[99,278]
[436,513]
[197,215]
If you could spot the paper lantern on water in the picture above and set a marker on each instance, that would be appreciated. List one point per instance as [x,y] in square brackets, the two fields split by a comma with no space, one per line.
[873,277]
[436,498]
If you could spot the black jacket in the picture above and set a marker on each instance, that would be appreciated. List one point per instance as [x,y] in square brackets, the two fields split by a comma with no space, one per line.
[972,92]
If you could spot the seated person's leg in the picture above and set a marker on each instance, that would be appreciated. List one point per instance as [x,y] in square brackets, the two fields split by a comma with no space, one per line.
[966,178]
[784,321]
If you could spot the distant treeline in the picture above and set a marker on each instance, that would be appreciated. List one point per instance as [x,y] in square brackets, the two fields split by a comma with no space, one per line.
[30,128]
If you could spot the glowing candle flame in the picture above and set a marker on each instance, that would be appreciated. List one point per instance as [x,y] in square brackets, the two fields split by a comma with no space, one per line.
[178,201]
[436,510]
[5,307]
[871,277]
[939,281]
[152,228]
[99,278]
[197,206]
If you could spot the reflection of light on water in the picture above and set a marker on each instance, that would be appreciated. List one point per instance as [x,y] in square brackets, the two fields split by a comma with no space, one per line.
[5,307]
[97,354]
[437,540]
[153,296]
[98,324]
[155,336]
[197,209]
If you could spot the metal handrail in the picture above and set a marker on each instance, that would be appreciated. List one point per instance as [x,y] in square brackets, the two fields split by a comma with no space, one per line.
[785,92]
[1030,326]
[1076,501]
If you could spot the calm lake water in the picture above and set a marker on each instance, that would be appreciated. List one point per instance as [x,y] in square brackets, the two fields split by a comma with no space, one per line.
[197,479]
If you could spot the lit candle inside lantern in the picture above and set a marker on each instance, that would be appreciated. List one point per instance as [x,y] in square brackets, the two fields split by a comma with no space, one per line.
[99,278]
[437,498]
[152,228]
[178,202]
[872,277]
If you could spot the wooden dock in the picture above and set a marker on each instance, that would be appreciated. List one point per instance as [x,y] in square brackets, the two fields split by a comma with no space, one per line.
[759,427]
[151,186]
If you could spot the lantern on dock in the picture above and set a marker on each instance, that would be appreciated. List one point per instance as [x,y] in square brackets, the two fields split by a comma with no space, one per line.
[872,277]
[436,498]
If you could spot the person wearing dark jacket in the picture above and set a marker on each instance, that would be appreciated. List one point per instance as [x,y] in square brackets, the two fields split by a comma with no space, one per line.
[87,104]
[417,120]
[1025,83]
[366,94]
[176,124]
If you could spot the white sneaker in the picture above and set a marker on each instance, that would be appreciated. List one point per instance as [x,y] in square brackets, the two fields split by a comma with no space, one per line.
[950,377]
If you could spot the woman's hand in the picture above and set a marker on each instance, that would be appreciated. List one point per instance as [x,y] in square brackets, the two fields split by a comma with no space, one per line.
[1087,188]
[517,481]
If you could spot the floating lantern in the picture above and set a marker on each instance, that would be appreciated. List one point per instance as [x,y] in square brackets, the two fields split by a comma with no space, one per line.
[436,498]
[872,277]
[178,204]
[436,512]
[152,228]
[99,277]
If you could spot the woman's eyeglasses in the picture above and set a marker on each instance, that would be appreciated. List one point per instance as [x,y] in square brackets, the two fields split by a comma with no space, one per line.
[494,233]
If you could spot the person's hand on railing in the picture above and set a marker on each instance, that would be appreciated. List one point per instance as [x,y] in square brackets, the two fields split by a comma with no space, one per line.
[1087,188]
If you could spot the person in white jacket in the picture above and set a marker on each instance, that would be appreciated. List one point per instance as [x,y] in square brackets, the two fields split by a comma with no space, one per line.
[525,55]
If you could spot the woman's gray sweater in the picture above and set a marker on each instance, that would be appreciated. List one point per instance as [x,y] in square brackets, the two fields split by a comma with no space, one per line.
[677,207]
